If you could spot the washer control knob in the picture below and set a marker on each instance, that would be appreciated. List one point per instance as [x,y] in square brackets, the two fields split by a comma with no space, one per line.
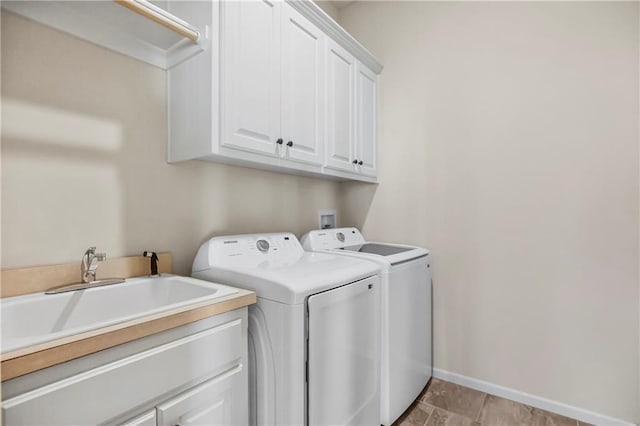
[263,245]
[340,237]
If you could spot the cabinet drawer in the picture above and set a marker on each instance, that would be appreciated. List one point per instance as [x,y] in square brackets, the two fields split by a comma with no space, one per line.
[103,393]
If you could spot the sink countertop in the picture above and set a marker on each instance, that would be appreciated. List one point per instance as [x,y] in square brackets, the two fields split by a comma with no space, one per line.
[33,358]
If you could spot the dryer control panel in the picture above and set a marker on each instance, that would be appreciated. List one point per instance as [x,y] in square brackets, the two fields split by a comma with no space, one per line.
[322,239]
[249,249]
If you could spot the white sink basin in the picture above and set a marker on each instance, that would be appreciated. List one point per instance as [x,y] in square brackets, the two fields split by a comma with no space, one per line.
[38,318]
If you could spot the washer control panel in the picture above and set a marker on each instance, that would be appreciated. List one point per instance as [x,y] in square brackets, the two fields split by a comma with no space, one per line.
[322,239]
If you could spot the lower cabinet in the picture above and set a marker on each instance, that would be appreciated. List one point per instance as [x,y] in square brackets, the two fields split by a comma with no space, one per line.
[146,419]
[211,403]
[215,402]
[193,375]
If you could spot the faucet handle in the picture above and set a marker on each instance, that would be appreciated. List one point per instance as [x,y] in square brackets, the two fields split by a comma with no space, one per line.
[154,262]
[90,264]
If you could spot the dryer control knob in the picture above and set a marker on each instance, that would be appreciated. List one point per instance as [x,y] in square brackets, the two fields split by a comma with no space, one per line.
[263,245]
[340,237]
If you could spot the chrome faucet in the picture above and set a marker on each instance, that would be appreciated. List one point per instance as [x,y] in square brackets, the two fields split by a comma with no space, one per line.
[90,264]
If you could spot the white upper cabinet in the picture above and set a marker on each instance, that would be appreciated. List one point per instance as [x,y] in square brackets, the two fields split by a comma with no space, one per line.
[282,88]
[340,108]
[250,77]
[351,116]
[365,141]
[303,47]
[272,80]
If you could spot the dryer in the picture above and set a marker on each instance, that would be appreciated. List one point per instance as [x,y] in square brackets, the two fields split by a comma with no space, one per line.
[314,333]
[406,350]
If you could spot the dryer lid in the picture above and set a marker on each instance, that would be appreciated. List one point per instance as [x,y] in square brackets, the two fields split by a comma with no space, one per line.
[276,267]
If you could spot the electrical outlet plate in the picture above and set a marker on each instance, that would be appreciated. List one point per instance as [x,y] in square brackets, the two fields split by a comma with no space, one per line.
[327,219]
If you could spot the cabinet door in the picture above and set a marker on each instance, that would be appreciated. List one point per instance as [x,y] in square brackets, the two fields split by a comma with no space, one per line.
[340,74]
[302,87]
[250,79]
[219,401]
[366,120]
[146,419]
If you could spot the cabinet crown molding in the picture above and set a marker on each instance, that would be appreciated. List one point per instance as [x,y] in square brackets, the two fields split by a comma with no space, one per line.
[330,27]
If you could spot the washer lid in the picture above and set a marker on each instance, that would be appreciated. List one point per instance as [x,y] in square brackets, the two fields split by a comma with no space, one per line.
[283,271]
[351,241]
[376,248]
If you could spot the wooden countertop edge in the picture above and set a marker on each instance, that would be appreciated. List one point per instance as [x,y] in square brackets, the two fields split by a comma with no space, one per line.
[38,357]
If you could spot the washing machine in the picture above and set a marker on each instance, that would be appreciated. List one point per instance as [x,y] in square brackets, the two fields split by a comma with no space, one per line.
[406,363]
[314,333]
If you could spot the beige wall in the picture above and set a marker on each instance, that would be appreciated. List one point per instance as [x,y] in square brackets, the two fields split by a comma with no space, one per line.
[509,147]
[83,162]
[328,8]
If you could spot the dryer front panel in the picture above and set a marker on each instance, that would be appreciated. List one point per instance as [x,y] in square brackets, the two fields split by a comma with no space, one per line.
[344,355]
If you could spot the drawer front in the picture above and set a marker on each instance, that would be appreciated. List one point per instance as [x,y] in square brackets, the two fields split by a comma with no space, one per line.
[103,393]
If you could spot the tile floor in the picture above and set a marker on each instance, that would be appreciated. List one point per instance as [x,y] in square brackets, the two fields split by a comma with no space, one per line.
[447,404]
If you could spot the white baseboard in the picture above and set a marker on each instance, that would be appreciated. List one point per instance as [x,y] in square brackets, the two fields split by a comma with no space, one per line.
[531,400]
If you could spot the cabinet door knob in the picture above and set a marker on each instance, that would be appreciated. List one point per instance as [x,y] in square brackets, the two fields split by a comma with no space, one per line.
[290,143]
[279,141]
[360,163]
[355,161]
